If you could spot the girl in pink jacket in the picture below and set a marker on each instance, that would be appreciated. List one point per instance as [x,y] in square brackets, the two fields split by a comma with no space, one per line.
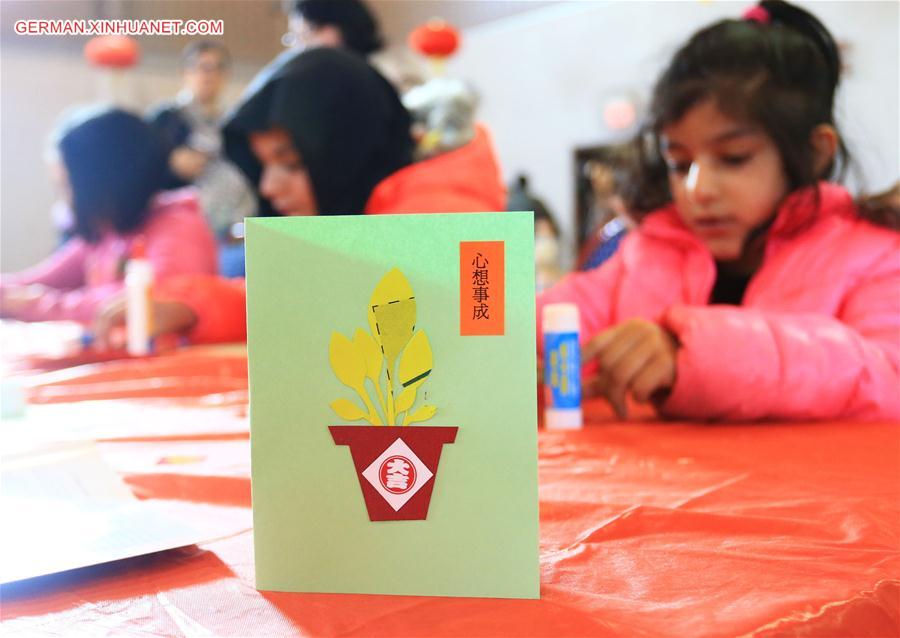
[111,172]
[752,289]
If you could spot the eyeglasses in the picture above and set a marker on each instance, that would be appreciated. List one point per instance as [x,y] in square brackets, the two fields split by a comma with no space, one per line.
[208,68]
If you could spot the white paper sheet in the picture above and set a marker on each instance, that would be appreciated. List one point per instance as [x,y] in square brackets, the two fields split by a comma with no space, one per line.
[64,508]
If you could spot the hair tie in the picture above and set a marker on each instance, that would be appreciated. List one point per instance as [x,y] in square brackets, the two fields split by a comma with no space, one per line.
[757,14]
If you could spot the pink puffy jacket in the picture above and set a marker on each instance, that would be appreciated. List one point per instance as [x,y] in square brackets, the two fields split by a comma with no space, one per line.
[80,277]
[817,335]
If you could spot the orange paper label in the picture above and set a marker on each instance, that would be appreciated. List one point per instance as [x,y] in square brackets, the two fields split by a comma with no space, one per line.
[482,288]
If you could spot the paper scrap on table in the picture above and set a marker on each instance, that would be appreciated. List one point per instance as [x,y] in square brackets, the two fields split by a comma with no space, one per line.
[64,508]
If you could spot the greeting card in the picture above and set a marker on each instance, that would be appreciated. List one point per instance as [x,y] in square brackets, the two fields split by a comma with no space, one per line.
[392,404]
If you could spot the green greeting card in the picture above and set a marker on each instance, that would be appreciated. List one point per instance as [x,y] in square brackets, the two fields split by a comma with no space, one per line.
[392,404]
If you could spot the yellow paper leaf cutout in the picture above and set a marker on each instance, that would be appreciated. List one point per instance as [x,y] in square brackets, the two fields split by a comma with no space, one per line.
[394,325]
[347,410]
[392,286]
[392,314]
[416,361]
[373,328]
[347,361]
[406,398]
[371,353]
[422,414]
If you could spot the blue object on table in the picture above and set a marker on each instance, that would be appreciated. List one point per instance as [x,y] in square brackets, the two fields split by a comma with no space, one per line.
[231,259]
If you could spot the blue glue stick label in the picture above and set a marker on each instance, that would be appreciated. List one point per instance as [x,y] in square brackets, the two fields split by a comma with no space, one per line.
[562,369]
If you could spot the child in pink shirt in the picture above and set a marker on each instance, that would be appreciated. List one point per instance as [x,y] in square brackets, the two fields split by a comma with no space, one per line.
[111,170]
[752,288]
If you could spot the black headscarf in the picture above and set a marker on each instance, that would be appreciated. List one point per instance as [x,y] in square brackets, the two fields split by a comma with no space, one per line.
[345,119]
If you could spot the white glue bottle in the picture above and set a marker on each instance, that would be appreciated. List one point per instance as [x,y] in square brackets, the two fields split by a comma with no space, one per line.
[562,367]
[138,310]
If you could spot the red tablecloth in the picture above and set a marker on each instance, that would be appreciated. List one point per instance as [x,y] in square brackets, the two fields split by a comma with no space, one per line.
[647,529]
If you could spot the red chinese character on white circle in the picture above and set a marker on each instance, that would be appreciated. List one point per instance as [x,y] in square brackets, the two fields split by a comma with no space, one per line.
[397,474]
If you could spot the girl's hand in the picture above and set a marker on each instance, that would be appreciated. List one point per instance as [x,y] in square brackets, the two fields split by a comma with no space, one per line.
[187,163]
[169,317]
[636,356]
[14,300]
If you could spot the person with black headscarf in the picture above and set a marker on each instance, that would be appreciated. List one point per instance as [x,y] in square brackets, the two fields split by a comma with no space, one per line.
[320,132]
[342,118]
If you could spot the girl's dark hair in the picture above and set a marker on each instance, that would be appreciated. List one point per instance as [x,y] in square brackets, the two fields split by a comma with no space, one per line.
[882,208]
[782,75]
[356,23]
[115,164]
[521,198]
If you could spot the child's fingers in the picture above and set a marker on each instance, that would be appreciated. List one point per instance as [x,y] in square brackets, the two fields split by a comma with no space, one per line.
[633,339]
[604,344]
[616,398]
[591,388]
[616,346]
[618,377]
[653,377]
[633,359]
[592,348]
[105,323]
[622,344]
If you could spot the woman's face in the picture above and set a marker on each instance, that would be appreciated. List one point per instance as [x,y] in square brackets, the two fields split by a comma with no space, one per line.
[284,181]
[726,176]
[205,77]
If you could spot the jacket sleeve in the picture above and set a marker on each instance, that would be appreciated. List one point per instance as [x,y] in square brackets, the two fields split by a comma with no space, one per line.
[64,269]
[80,304]
[744,364]
[591,291]
[218,303]
[64,296]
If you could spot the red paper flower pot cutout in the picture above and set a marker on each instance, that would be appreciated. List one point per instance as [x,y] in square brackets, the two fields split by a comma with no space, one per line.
[396,466]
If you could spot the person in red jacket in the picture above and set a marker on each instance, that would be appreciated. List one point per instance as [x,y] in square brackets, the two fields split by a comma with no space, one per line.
[751,289]
[322,133]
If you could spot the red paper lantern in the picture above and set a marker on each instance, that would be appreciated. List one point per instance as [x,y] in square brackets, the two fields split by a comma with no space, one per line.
[619,114]
[435,38]
[116,51]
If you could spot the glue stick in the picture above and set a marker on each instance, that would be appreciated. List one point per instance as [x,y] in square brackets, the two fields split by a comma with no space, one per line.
[138,281]
[562,367]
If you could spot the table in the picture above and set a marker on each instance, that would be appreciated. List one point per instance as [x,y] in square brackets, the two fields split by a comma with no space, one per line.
[647,528]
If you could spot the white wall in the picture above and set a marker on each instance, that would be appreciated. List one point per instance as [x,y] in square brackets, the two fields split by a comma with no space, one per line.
[545,76]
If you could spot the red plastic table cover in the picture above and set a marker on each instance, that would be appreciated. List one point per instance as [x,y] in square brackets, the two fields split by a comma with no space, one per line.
[647,529]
